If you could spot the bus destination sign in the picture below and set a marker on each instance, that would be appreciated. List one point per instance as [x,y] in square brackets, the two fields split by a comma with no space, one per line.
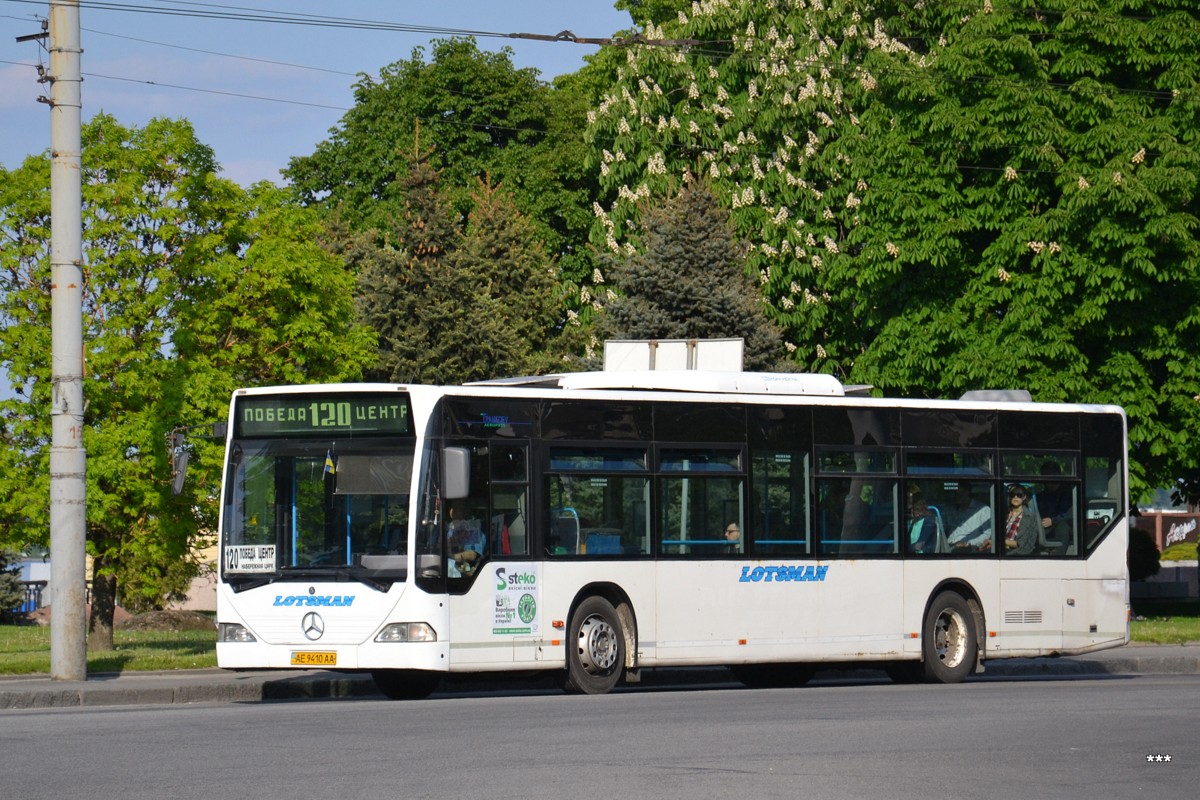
[342,414]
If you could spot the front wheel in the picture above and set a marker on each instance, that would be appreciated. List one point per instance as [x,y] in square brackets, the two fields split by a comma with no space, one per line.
[948,639]
[595,648]
[405,684]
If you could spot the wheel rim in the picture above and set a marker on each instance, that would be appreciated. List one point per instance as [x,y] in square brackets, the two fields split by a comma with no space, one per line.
[950,638]
[597,645]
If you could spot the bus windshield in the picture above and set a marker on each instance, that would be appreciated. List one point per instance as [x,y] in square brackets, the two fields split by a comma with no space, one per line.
[326,501]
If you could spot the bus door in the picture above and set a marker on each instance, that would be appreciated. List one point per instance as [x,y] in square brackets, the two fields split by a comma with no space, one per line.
[494,590]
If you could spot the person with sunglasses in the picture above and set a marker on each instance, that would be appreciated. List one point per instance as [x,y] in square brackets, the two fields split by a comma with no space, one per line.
[1021,526]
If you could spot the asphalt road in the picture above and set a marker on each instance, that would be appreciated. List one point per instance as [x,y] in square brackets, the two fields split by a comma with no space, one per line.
[1054,737]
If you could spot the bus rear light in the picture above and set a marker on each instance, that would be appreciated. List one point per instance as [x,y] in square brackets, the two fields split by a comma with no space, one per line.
[407,632]
[234,632]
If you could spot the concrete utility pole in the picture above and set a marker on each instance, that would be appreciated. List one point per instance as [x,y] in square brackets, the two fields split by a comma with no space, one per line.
[68,484]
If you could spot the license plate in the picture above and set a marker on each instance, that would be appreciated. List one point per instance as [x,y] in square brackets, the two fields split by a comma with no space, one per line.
[308,658]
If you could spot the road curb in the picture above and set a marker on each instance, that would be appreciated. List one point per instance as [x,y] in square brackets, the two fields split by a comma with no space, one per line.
[218,686]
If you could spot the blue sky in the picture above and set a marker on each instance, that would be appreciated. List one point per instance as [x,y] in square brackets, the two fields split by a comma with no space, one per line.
[254,138]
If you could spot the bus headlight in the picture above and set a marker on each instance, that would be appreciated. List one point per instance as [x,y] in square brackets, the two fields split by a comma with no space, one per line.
[234,632]
[407,632]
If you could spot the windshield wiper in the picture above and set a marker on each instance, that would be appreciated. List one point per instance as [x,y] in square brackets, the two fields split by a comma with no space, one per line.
[342,574]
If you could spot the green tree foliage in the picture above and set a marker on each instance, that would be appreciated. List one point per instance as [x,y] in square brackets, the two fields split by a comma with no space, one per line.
[11,591]
[687,280]
[192,286]
[451,306]
[482,119]
[945,196]
[1054,236]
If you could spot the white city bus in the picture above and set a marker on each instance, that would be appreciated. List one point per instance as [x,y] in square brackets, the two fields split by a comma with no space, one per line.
[599,524]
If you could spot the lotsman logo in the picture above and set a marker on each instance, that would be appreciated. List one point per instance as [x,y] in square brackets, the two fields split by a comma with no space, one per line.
[314,600]
[783,574]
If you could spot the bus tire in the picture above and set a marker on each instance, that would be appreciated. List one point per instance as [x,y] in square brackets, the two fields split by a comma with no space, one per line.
[405,684]
[773,676]
[949,642]
[595,648]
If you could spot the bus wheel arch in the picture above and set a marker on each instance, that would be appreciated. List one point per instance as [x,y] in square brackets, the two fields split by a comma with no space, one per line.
[952,633]
[601,640]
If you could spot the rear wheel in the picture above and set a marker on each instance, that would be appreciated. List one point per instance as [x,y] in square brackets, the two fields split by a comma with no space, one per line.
[773,676]
[949,642]
[595,648]
[406,684]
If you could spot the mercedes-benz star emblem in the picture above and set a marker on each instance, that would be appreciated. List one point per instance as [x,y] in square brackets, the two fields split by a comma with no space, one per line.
[313,626]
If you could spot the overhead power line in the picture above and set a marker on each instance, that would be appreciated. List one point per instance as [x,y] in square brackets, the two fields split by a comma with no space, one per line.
[248,14]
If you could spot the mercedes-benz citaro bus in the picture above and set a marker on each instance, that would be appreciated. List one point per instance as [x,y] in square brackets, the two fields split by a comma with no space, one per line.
[598,524]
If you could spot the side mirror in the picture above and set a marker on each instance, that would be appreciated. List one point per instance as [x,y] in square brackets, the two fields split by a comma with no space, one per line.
[456,473]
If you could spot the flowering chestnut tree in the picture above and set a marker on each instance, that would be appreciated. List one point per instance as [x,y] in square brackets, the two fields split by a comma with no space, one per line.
[943,196]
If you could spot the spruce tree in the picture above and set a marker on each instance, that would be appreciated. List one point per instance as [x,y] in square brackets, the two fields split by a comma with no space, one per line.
[451,305]
[688,280]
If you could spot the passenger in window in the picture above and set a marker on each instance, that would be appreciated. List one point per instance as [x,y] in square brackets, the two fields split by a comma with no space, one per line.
[733,535]
[969,522]
[833,510]
[1021,526]
[922,526]
[1054,505]
[465,540]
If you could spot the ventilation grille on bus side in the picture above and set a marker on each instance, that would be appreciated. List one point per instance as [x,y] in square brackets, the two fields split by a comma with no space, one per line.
[1022,617]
